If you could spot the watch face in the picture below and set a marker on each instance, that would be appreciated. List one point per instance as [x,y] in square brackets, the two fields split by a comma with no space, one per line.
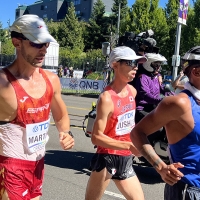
[70,133]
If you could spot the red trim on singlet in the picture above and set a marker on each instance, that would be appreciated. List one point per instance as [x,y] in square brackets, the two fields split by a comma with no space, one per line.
[119,104]
[29,109]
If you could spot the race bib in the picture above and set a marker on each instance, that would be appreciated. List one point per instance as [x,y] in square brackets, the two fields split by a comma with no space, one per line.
[125,123]
[36,135]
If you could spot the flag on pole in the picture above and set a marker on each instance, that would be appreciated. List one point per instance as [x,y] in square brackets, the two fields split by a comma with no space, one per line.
[183,11]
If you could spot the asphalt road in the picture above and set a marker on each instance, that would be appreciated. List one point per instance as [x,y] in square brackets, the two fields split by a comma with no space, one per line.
[66,172]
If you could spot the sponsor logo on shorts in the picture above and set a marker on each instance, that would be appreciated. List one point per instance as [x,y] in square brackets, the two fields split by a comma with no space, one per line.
[25,193]
[130,171]
[113,171]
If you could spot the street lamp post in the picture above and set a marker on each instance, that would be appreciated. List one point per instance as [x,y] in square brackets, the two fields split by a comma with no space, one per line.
[118,21]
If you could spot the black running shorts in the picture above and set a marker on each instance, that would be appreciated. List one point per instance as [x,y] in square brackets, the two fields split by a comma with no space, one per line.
[180,191]
[120,167]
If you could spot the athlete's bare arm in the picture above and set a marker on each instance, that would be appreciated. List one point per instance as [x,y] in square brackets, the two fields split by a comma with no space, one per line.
[8,101]
[60,114]
[174,113]
[105,108]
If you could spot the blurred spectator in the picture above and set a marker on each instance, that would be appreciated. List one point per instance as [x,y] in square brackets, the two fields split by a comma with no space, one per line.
[65,71]
[167,78]
[179,82]
[60,71]
[71,72]
[107,74]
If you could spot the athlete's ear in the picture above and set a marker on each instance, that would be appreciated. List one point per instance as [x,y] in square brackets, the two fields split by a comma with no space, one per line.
[16,43]
[114,65]
[196,71]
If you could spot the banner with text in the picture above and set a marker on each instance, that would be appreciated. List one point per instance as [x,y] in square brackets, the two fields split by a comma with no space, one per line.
[83,85]
[183,11]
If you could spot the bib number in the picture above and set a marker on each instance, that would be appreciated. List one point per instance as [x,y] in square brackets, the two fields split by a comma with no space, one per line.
[125,123]
[36,135]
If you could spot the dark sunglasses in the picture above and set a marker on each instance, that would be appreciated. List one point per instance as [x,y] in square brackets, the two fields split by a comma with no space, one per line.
[158,64]
[130,63]
[37,46]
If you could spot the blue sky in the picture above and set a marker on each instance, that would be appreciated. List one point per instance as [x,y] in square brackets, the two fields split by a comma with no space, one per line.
[8,9]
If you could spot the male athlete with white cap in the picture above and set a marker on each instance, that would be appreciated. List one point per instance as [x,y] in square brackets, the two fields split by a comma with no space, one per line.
[28,93]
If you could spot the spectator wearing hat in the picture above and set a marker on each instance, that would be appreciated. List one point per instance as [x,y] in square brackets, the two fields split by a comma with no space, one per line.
[111,131]
[28,93]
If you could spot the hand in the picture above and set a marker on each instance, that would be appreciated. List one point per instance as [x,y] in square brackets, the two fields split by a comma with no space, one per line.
[170,174]
[66,141]
[181,73]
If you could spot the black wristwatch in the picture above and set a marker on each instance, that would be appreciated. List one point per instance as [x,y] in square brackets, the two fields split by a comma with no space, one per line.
[70,133]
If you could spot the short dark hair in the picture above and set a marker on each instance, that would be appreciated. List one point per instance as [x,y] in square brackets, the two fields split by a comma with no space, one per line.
[15,34]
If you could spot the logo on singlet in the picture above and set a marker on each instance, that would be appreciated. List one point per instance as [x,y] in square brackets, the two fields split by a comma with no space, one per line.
[131,99]
[24,99]
[118,103]
[40,109]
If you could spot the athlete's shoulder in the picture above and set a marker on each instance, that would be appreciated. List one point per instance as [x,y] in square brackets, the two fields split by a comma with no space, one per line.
[179,102]
[105,97]
[3,78]
[54,79]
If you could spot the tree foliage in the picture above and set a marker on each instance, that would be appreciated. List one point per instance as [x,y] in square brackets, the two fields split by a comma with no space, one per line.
[70,31]
[3,33]
[81,40]
[171,12]
[7,47]
[97,28]
[123,14]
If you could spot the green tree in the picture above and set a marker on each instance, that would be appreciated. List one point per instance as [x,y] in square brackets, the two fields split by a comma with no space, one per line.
[97,27]
[140,16]
[3,33]
[124,16]
[53,28]
[70,34]
[158,24]
[171,12]
[7,47]
[195,21]
[190,32]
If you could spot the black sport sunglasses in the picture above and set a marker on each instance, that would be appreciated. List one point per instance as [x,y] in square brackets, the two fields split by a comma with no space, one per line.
[32,44]
[130,63]
[37,46]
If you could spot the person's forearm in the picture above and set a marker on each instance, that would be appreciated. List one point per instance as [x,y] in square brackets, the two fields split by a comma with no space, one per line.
[63,124]
[141,142]
[149,153]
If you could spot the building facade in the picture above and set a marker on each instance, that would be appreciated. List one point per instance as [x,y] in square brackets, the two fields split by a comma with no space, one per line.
[57,9]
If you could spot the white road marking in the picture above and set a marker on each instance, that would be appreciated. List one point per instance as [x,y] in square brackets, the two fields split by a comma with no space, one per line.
[114,194]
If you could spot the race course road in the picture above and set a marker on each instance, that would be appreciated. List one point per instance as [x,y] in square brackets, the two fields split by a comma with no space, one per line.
[67,173]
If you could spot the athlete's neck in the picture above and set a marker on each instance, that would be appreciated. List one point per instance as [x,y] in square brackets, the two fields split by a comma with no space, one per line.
[193,90]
